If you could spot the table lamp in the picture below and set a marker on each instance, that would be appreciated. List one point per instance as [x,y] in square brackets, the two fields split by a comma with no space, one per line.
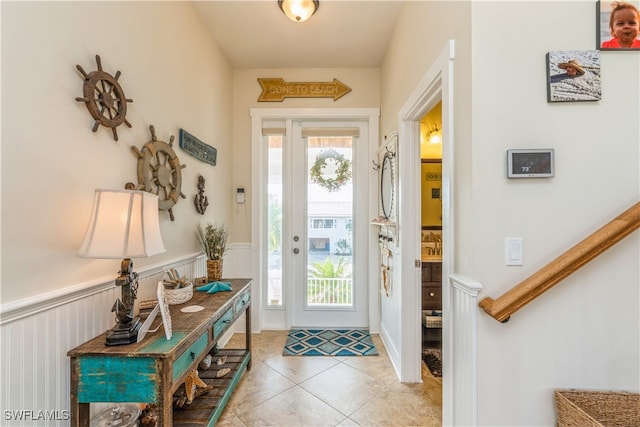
[124,224]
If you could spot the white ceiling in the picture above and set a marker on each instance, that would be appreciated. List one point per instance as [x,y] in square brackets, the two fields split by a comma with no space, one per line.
[342,33]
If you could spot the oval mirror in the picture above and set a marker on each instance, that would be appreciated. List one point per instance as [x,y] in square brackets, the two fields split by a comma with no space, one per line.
[386,185]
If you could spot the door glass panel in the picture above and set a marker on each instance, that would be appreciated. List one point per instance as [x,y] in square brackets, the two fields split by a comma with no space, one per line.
[329,210]
[274,221]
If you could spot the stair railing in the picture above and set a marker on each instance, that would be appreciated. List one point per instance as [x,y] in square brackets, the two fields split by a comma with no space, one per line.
[544,279]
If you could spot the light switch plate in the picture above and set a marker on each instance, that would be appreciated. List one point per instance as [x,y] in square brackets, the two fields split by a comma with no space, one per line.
[513,251]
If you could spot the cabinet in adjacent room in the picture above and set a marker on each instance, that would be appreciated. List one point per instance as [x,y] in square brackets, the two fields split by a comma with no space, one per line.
[431,304]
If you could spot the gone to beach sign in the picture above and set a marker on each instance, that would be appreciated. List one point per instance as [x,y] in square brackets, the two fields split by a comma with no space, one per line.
[276,90]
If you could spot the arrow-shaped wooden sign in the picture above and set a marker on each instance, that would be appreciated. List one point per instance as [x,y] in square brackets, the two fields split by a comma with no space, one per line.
[276,90]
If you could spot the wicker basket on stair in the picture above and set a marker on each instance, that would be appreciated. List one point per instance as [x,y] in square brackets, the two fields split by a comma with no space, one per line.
[580,408]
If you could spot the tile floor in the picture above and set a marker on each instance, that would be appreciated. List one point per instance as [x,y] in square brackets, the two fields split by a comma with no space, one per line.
[327,391]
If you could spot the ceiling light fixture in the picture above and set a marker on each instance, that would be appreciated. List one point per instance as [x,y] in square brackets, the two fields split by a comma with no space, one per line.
[299,10]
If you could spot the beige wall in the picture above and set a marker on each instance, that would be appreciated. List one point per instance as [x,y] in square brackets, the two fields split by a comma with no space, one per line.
[421,34]
[365,93]
[583,333]
[52,162]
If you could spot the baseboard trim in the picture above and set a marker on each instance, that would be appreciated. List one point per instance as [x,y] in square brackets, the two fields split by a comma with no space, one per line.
[391,349]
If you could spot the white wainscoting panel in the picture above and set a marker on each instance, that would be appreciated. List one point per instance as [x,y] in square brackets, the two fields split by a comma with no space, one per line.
[37,333]
[464,309]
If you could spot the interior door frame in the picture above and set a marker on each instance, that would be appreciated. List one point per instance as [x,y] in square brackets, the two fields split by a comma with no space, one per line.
[436,85]
[278,318]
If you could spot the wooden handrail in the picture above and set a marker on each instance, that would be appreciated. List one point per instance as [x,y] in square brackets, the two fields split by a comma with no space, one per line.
[548,276]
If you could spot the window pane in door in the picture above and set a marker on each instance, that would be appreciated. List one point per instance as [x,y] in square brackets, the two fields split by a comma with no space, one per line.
[274,221]
[330,222]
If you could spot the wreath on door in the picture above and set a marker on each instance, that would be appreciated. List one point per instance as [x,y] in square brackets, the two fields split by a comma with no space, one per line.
[331,182]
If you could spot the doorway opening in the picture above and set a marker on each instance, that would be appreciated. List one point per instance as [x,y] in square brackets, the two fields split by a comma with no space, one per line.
[311,225]
[436,86]
[312,178]
[431,238]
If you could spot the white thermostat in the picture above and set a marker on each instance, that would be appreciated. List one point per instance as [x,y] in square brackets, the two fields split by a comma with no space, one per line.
[240,195]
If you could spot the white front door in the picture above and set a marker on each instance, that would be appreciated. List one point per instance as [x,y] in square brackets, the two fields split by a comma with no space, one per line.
[318,223]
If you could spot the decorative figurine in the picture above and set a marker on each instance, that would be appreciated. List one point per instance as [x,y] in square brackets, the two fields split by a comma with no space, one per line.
[201,200]
[149,416]
[127,327]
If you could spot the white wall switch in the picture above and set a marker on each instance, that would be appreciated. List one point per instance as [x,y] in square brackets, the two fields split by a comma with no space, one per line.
[513,251]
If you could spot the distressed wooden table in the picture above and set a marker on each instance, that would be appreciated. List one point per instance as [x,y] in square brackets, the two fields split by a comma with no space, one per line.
[151,371]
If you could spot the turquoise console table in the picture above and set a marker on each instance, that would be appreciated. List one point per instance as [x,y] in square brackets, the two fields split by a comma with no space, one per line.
[151,371]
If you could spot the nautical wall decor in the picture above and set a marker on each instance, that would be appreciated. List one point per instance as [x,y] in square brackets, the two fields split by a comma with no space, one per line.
[197,148]
[104,98]
[276,89]
[160,171]
[200,199]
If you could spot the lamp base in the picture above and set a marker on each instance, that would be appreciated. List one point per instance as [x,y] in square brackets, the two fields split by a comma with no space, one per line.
[124,334]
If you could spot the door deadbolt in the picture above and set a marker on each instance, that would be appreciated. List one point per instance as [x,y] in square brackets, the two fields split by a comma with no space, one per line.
[296,238]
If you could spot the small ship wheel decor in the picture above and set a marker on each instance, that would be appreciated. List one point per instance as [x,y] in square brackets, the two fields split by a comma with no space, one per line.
[104,98]
[160,172]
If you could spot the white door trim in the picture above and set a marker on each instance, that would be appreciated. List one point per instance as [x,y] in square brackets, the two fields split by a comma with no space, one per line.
[276,318]
[436,84]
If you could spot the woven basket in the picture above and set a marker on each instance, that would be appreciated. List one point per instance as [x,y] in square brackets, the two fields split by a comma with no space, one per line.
[180,295]
[579,408]
[214,269]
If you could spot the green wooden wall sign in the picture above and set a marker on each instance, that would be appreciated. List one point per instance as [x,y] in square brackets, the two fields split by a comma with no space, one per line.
[197,148]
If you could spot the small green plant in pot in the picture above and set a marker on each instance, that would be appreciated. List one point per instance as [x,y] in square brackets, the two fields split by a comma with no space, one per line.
[213,240]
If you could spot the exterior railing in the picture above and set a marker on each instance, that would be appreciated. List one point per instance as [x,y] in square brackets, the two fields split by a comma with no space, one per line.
[544,279]
[329,291]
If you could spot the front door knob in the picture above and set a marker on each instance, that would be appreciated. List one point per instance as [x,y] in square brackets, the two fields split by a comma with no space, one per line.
[296,250]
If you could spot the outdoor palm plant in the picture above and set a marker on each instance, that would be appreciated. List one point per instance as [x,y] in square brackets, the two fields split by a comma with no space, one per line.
[329,282]
[328,269]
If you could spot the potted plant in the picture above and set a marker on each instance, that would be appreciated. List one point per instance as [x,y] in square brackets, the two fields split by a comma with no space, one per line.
[213,240]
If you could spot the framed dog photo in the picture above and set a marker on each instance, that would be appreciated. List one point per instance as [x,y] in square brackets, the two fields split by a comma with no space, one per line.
[530,163]
[618,25]
[573,75]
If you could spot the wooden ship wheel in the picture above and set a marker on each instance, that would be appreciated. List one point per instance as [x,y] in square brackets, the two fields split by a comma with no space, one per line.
[104,98]
[160,172]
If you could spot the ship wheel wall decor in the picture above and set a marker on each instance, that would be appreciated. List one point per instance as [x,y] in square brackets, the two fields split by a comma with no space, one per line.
[160,172]
[104,98]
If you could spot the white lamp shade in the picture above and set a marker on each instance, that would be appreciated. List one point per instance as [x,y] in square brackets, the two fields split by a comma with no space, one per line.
[299,10]
[124,224]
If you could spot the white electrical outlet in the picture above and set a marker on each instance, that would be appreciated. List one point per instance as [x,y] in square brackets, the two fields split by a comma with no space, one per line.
[513,251]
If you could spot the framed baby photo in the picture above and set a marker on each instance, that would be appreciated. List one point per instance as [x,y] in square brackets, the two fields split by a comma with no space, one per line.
[573,76]
[618,25]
